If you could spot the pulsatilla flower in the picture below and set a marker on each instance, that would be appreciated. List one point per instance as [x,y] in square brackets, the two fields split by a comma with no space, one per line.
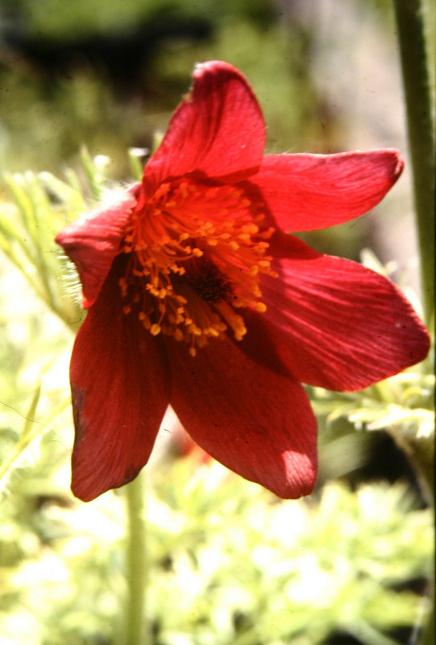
[199,298]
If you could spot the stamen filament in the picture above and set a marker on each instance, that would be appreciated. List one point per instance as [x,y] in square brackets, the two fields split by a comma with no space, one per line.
[196,253]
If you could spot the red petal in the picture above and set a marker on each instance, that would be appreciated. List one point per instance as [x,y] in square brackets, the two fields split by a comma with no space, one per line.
[218,128]
[306,192]
[255,421]
[337,324]
[119,396]
[93,243]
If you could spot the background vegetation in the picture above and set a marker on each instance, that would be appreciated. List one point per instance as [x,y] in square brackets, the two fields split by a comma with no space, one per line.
[228,564]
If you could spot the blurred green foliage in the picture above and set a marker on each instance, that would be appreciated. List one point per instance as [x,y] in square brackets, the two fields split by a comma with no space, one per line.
[50,18]
[83,108]
[228,564]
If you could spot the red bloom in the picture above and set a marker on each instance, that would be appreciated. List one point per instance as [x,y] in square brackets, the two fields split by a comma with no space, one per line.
[198,299]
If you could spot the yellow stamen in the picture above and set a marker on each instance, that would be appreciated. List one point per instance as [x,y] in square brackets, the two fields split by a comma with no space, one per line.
[195,253]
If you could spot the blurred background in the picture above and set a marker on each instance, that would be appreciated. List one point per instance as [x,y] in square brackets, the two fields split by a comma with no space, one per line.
[228,563]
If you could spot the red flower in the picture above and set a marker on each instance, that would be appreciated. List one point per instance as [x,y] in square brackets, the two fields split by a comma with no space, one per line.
[198,299]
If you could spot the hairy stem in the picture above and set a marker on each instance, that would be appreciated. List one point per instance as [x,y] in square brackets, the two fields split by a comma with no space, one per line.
[417,91]
[413,54]
[135,628]
[416,81]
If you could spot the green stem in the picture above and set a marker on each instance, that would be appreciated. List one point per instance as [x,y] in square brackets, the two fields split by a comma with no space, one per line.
[413,54]
[135,628]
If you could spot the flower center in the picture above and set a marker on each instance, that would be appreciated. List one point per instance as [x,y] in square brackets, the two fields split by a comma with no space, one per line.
[196,253]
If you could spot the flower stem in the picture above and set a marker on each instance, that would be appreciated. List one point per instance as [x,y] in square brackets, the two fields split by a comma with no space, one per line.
[135,628]
[416,81]
[413,54]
